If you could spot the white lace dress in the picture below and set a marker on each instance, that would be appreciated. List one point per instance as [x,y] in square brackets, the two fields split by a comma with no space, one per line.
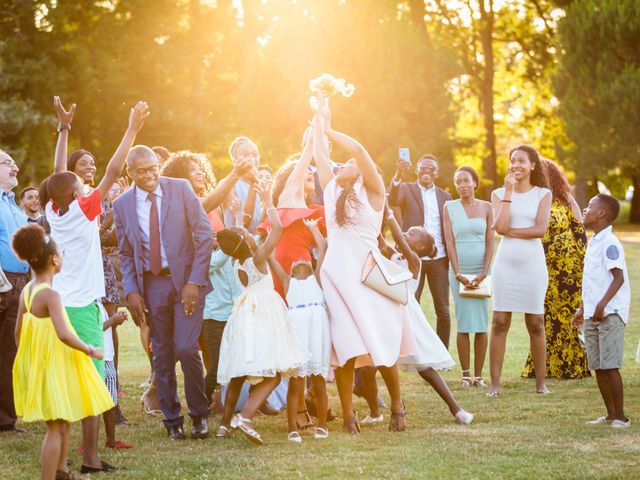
[259,340]
[308,313]
[431,351]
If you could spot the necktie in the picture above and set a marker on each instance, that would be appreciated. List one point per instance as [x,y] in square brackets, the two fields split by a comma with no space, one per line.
[154,236]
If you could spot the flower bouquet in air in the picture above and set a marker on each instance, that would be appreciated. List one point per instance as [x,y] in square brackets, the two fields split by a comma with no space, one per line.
[326,85]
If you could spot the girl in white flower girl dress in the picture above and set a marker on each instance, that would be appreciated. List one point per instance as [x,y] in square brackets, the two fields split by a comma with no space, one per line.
[258,344]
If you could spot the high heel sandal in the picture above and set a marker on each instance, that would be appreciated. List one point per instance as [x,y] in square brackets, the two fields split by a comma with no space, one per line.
[353,426]
[398,421]
[466,379]
[479,382]
[244,425]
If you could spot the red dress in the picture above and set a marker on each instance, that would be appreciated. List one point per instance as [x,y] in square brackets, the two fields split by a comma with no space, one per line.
[296,241]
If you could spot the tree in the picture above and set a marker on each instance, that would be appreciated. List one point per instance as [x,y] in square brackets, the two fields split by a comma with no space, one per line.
[598,83]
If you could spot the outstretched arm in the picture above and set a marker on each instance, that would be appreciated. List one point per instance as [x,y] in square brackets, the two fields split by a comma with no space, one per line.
[264,251]
[321,243]
[279,272]
[292,195]
[64,118]
[322,121]
[401,242]
[215,198]
[137,116]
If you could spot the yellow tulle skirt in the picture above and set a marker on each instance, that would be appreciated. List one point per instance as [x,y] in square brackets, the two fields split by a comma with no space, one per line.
[52,381]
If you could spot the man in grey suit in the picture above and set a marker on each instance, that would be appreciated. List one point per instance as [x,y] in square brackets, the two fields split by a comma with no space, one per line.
[165,241]
[421,204]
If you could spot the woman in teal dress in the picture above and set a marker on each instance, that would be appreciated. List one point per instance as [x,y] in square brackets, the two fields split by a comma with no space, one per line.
[469,237]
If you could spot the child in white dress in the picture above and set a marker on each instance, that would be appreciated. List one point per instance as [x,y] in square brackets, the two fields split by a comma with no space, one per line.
[258,344]
[308,313]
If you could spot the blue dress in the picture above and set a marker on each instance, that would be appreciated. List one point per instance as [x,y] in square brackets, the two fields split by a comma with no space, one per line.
[469,236]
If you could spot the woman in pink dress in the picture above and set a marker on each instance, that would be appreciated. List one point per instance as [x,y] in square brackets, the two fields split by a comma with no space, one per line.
[367,328]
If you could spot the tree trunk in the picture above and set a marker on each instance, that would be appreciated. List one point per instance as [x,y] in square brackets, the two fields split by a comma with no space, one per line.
[634,214]
[489,164]
[581,192]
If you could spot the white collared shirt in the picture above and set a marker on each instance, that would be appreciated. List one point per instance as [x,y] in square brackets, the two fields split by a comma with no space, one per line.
[432,220]
[143,209]
[604,253]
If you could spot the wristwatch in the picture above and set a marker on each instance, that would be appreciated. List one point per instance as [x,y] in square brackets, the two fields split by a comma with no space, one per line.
[63,126]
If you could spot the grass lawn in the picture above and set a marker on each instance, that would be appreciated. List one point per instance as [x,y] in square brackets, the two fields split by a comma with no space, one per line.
[517,435]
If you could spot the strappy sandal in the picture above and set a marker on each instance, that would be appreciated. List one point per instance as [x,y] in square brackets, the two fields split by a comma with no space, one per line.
[244,425]
[353,426]
[294,437]
[479,382]
[68,475]
[306,421]
[321,433]
[223,432]
[398,421]
[467,381]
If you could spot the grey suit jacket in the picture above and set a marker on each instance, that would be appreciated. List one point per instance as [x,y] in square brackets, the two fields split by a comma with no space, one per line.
[187,237]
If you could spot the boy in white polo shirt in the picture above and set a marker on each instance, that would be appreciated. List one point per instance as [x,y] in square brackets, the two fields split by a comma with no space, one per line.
[606,296]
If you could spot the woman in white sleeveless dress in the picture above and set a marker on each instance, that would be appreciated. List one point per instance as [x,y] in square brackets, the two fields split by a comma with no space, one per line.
[521,211]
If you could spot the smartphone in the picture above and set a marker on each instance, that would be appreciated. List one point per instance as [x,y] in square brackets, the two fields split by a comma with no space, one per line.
[403,154]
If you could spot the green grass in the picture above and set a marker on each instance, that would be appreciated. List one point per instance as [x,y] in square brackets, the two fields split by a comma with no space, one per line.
[518,435]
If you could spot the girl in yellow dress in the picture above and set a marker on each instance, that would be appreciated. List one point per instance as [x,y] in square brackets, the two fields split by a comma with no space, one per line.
[54,379]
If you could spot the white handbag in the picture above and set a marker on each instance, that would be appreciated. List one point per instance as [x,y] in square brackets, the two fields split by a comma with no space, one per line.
[386,277]
[483,290]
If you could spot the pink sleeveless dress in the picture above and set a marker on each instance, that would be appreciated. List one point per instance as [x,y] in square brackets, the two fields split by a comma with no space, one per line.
[364,323]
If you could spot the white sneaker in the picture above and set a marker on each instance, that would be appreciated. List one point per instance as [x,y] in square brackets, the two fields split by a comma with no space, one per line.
[598,421]
[621,424]
[371,420]
[464,418]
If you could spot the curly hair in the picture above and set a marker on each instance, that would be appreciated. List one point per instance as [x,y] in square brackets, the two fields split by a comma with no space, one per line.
[32,244]
[538,175]
[178,167]
[558,182]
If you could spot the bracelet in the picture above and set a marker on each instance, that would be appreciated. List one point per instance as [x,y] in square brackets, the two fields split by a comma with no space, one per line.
[505,201]
[63,126]
[92,351]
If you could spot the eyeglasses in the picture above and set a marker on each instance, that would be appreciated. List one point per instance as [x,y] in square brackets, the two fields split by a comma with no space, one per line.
[9,163]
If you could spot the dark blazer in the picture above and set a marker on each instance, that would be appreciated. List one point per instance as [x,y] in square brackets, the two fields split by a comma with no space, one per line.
[186,236]
[407,197]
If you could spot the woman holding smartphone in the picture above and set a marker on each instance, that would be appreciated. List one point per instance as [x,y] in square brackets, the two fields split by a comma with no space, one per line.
[521,210]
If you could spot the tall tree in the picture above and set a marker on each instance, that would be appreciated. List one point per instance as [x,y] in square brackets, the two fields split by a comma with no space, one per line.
[599,86]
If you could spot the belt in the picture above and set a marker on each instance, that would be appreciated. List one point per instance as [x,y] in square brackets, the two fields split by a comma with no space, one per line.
[165,272]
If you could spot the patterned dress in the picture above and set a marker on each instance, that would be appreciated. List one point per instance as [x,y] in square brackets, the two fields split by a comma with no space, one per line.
[564,246]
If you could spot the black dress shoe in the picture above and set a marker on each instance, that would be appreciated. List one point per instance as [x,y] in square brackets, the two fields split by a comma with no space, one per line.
[175,432]
[200,428]
[12,429]
[104,467]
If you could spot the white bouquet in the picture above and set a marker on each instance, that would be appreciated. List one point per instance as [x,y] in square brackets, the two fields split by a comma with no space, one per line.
[327,85]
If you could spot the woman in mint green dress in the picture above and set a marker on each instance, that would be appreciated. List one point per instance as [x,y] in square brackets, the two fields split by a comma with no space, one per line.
[469,236]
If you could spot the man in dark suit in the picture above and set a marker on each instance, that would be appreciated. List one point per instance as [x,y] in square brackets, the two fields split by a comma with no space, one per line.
[165,242]
[421,203]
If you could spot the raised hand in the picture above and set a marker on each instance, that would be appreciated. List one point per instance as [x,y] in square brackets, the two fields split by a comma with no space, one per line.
[324,112]
[401,168]
[509,181]
[137,116]
[64,116]
[124,183]
[242,167]
[264,192]
[311,223]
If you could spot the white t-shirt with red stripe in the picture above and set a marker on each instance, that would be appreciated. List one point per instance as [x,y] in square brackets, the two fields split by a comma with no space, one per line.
[77,233]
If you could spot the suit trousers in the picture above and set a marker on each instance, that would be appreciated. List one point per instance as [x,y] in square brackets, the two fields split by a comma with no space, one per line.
[9,302]
[174,337]
[437,276]
[213,331]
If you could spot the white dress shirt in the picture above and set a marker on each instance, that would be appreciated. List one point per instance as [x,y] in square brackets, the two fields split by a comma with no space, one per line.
[143,209]
[432,220]
[604,253]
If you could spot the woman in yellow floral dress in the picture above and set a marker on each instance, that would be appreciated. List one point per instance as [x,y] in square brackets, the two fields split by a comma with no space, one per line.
[564,246]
